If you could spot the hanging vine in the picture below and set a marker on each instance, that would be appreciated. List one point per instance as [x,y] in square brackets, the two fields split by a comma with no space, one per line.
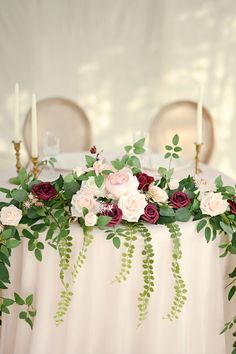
[179,286]
[148,274]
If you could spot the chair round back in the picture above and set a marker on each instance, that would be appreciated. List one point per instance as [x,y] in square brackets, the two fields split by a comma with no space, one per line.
[180,117]
[64,119]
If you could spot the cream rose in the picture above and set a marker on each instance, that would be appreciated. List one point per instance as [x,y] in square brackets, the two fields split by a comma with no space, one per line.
[121,182]
[10,215]
[90,219]
[213,204]
[83,199]
[132,206]
[173,184]
[157,194]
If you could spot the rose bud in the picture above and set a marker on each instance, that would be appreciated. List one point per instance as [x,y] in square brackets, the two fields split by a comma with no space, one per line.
[93,149]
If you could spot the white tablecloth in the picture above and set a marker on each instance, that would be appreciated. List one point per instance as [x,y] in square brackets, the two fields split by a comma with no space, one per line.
[102,318]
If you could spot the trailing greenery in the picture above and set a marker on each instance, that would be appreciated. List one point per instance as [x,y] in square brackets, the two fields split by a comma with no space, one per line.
[148,273]
[67,293]
[129,232]
[179,287]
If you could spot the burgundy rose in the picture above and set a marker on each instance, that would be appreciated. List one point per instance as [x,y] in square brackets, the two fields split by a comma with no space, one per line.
[179,200]
[232,205]
[44,190]
[114,212]
[144,181]
[150,214]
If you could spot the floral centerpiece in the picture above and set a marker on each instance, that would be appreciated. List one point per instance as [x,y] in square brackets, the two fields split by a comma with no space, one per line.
[120,199]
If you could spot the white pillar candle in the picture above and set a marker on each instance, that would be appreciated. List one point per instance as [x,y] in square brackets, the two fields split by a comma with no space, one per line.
[34,144]
[16,115]
[199,116]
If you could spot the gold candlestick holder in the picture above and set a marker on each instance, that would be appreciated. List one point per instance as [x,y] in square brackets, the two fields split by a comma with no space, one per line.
[197,156]
[17,153]
[35,169]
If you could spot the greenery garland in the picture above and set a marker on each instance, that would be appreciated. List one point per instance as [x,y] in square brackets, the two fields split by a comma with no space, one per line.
[43,213]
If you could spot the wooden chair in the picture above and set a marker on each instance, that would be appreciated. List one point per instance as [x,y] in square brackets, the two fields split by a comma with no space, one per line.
[65,119]
[180,117]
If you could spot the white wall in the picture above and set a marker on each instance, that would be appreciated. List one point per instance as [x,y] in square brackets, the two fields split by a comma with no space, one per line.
[121,60]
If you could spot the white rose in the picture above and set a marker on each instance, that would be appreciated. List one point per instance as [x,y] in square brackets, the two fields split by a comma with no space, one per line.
[132,206]
[10,215]
[90,219]
[83,199]
[91,186]
[213,204]
[157,194]
[121,182]
[173,184]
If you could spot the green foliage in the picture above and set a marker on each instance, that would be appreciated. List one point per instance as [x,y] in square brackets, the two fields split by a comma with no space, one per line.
[128,231]
[180,287]
[229,326]
[27,314]
[171,153]
[66,294]
[114,234]
[148,273]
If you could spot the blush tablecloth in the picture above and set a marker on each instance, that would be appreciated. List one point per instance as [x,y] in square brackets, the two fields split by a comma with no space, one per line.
[102,318]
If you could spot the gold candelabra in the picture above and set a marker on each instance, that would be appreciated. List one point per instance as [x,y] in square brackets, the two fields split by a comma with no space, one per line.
[197,158]
[35,169]
[17,153]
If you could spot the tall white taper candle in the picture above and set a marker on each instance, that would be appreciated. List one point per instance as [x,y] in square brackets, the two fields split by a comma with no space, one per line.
[34,146]
[16,115]
[199,116]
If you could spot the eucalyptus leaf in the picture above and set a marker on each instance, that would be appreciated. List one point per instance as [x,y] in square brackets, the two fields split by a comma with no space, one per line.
[12,243]
[19,194]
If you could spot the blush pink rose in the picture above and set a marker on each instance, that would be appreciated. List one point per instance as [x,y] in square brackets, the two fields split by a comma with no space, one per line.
[120,183]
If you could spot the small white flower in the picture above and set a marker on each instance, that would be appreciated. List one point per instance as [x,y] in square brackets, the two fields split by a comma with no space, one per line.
[157,194]
[90,219]
[10,215]
[99,166]
[27,204]
[173,184]
[31,196]
[103,207]
[213,204]
[132,206]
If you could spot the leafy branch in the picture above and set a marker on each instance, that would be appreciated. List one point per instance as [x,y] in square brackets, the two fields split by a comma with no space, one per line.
[130,159]
[171,153]
[28,312]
